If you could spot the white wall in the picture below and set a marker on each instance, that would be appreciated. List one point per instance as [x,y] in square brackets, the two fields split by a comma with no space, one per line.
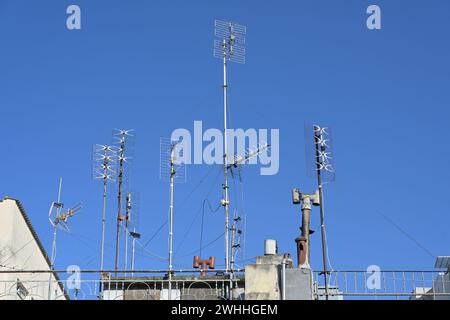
[19,250]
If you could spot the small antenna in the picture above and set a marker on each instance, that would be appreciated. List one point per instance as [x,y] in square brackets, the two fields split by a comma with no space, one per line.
[172,166]
[229,46]
[135,235]
[128,211]
[237,237]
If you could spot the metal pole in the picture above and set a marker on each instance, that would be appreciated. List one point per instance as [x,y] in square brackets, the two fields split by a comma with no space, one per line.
[172,175]
[52,262]
[284,280]
[119,201]
[322,215]
[105,178]
[233,234]
[225,146]
[127,222]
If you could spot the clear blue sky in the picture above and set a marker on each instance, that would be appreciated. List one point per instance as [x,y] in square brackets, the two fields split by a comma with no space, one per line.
[148,65]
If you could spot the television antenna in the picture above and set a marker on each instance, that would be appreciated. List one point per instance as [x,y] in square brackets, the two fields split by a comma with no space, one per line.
[240,160]
[122,139]
[325,172]
[59,220]
[104,168]
[229,46]
[173,167]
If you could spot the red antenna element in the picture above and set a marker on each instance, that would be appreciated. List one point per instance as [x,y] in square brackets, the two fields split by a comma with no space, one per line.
[204,264]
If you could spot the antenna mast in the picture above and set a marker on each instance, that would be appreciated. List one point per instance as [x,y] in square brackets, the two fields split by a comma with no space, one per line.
[103,162]
[127,223]
[228,47]
[58,220]
[122,136]
[176,173]
[323,165]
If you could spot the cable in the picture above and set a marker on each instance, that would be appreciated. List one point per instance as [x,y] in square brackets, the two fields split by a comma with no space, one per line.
[407,235]
[196,216]
[203,216]
[181,205]
[204,247]
[155,234]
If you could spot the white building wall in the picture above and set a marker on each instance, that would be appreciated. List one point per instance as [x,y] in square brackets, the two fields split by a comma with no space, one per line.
[20,250]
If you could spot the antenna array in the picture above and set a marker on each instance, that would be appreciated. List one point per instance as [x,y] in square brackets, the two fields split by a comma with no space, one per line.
[230,41]
[124,141]
[104,167]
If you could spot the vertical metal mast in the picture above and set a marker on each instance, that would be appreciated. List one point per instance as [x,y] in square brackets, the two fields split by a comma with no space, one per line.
[103,168]
[172,167]
[58,210]
[133,249]
[123,142]
[228,48]
[58,206]
[127,223]
[105,181]
[119,199]
[321,163]
[172,176]
[226,202]
[58,220]
[322,224]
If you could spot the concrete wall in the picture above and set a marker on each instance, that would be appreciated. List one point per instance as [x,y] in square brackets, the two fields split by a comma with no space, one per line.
[264,280]
[261,282]
[19,250]
[299,284]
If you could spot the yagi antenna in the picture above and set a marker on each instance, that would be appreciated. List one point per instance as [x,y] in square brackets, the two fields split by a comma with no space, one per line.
[240,160]
[59,221]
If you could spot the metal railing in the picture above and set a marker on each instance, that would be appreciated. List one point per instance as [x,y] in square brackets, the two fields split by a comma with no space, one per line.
[400,285]
[190,285]
[120,285]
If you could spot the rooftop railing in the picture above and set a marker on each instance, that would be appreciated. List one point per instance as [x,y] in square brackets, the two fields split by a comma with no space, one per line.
[399,285]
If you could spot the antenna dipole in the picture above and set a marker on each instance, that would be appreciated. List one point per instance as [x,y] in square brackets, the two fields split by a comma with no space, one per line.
[228,47]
